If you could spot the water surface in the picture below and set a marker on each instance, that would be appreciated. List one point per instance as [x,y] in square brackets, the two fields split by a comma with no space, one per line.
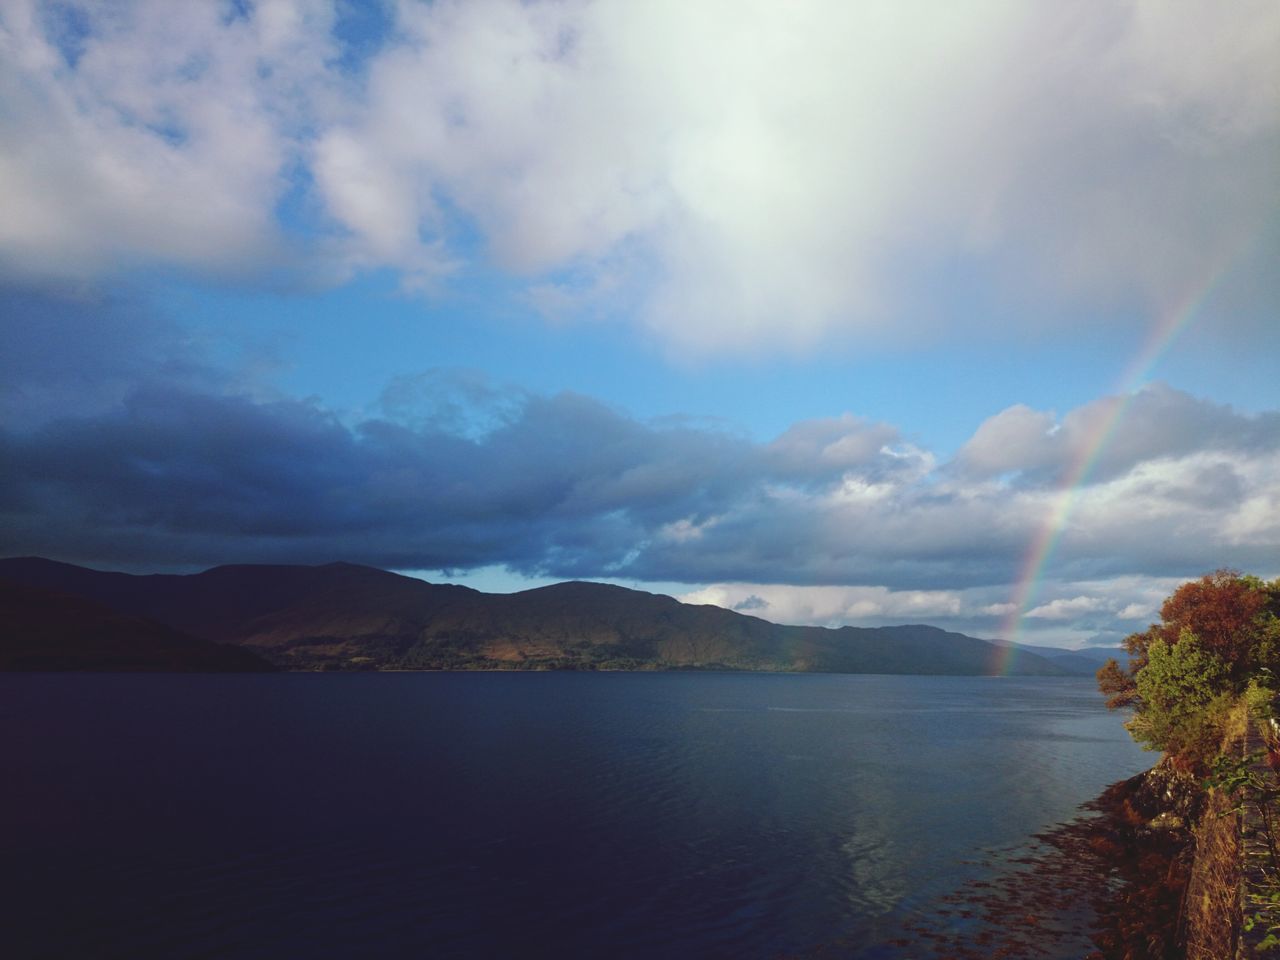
[552,814]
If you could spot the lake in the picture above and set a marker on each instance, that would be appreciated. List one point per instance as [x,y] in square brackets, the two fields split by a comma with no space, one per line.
[641,815]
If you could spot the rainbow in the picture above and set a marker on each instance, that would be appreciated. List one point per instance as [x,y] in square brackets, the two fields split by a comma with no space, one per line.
[1031,571]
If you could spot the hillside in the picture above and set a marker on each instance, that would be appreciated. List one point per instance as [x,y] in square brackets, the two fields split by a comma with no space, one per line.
[1083,662]
[342,616]
[45,630]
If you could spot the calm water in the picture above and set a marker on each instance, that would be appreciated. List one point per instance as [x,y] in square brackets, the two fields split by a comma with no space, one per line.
[492,815]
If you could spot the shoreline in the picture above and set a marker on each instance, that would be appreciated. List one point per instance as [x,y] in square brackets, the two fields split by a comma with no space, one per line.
[1109,883]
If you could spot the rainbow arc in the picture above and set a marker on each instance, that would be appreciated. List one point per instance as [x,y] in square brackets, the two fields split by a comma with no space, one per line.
[1089,450]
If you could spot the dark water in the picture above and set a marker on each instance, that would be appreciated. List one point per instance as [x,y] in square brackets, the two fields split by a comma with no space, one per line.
[495,815]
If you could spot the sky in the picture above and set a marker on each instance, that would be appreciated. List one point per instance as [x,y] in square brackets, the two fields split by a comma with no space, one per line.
[889,312]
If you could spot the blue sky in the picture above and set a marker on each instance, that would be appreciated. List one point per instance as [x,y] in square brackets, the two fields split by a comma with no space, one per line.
[813,309]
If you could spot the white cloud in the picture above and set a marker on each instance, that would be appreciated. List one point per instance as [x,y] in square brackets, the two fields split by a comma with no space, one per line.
[1115,434]
[1202,497]
[1083,612]
[1097,612]
[830,606]
[733,175]
[1066,609]
[1136,611]
[684,530]
[152,138]
[1015,439]
[768,168]
[831,446]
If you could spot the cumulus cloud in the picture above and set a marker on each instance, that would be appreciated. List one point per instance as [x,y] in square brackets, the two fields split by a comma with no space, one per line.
[833,606]
[1115,435]
[130,136]
[1137,611]
[830,448]
[180,466]
[1066,609]
[1074,614]
[1099,612]
[1017,439]
[729,175]
[122,444]
[764,166]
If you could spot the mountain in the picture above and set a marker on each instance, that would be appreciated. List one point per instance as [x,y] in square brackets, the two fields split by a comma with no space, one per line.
[47,630]
[342,616]
[1083,662]
[1086,660]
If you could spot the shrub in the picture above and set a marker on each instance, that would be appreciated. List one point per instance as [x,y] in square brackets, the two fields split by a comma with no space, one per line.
[1185,697]
[1219,641]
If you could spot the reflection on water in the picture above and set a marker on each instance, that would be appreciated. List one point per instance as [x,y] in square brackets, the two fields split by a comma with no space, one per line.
[462,815]
[875,878]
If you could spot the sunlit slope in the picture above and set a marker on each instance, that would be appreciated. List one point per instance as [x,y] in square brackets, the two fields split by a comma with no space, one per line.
[342,616]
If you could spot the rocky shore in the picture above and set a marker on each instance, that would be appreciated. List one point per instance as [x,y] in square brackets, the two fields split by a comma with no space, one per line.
[1150,871]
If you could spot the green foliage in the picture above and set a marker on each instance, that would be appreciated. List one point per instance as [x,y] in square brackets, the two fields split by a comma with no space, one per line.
[1184,695]
[1269,898]
[1271,940]
[1266,648]
[1219,639]
[1249,783]
[1260,696]
[1191,681]
[1243,779]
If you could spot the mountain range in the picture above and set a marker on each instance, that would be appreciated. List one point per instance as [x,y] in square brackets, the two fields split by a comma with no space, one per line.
[342,616]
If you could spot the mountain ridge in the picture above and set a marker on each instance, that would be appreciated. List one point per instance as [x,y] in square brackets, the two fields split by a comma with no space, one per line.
[46,630]
[348,616]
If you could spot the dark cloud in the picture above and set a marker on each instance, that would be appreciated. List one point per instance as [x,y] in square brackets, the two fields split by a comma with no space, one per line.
[123,447]
[172,475]
[560,485]
[566,486]
[82,351]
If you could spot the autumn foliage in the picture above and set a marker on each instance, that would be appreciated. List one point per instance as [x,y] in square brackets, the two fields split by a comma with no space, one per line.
[1223,610]
[1217,636]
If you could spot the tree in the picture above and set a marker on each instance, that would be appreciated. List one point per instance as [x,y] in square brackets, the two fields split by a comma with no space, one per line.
[1118,685]
[1222,609]
[1216,636]
[1183,691]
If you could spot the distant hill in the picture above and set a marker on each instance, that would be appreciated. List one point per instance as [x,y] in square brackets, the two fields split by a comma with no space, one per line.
[1083,662]
[342,616]
[1088,659]
[45,630]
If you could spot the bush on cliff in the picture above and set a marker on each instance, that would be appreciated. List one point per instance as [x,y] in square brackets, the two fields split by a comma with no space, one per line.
[1185,697]
[1218,637]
